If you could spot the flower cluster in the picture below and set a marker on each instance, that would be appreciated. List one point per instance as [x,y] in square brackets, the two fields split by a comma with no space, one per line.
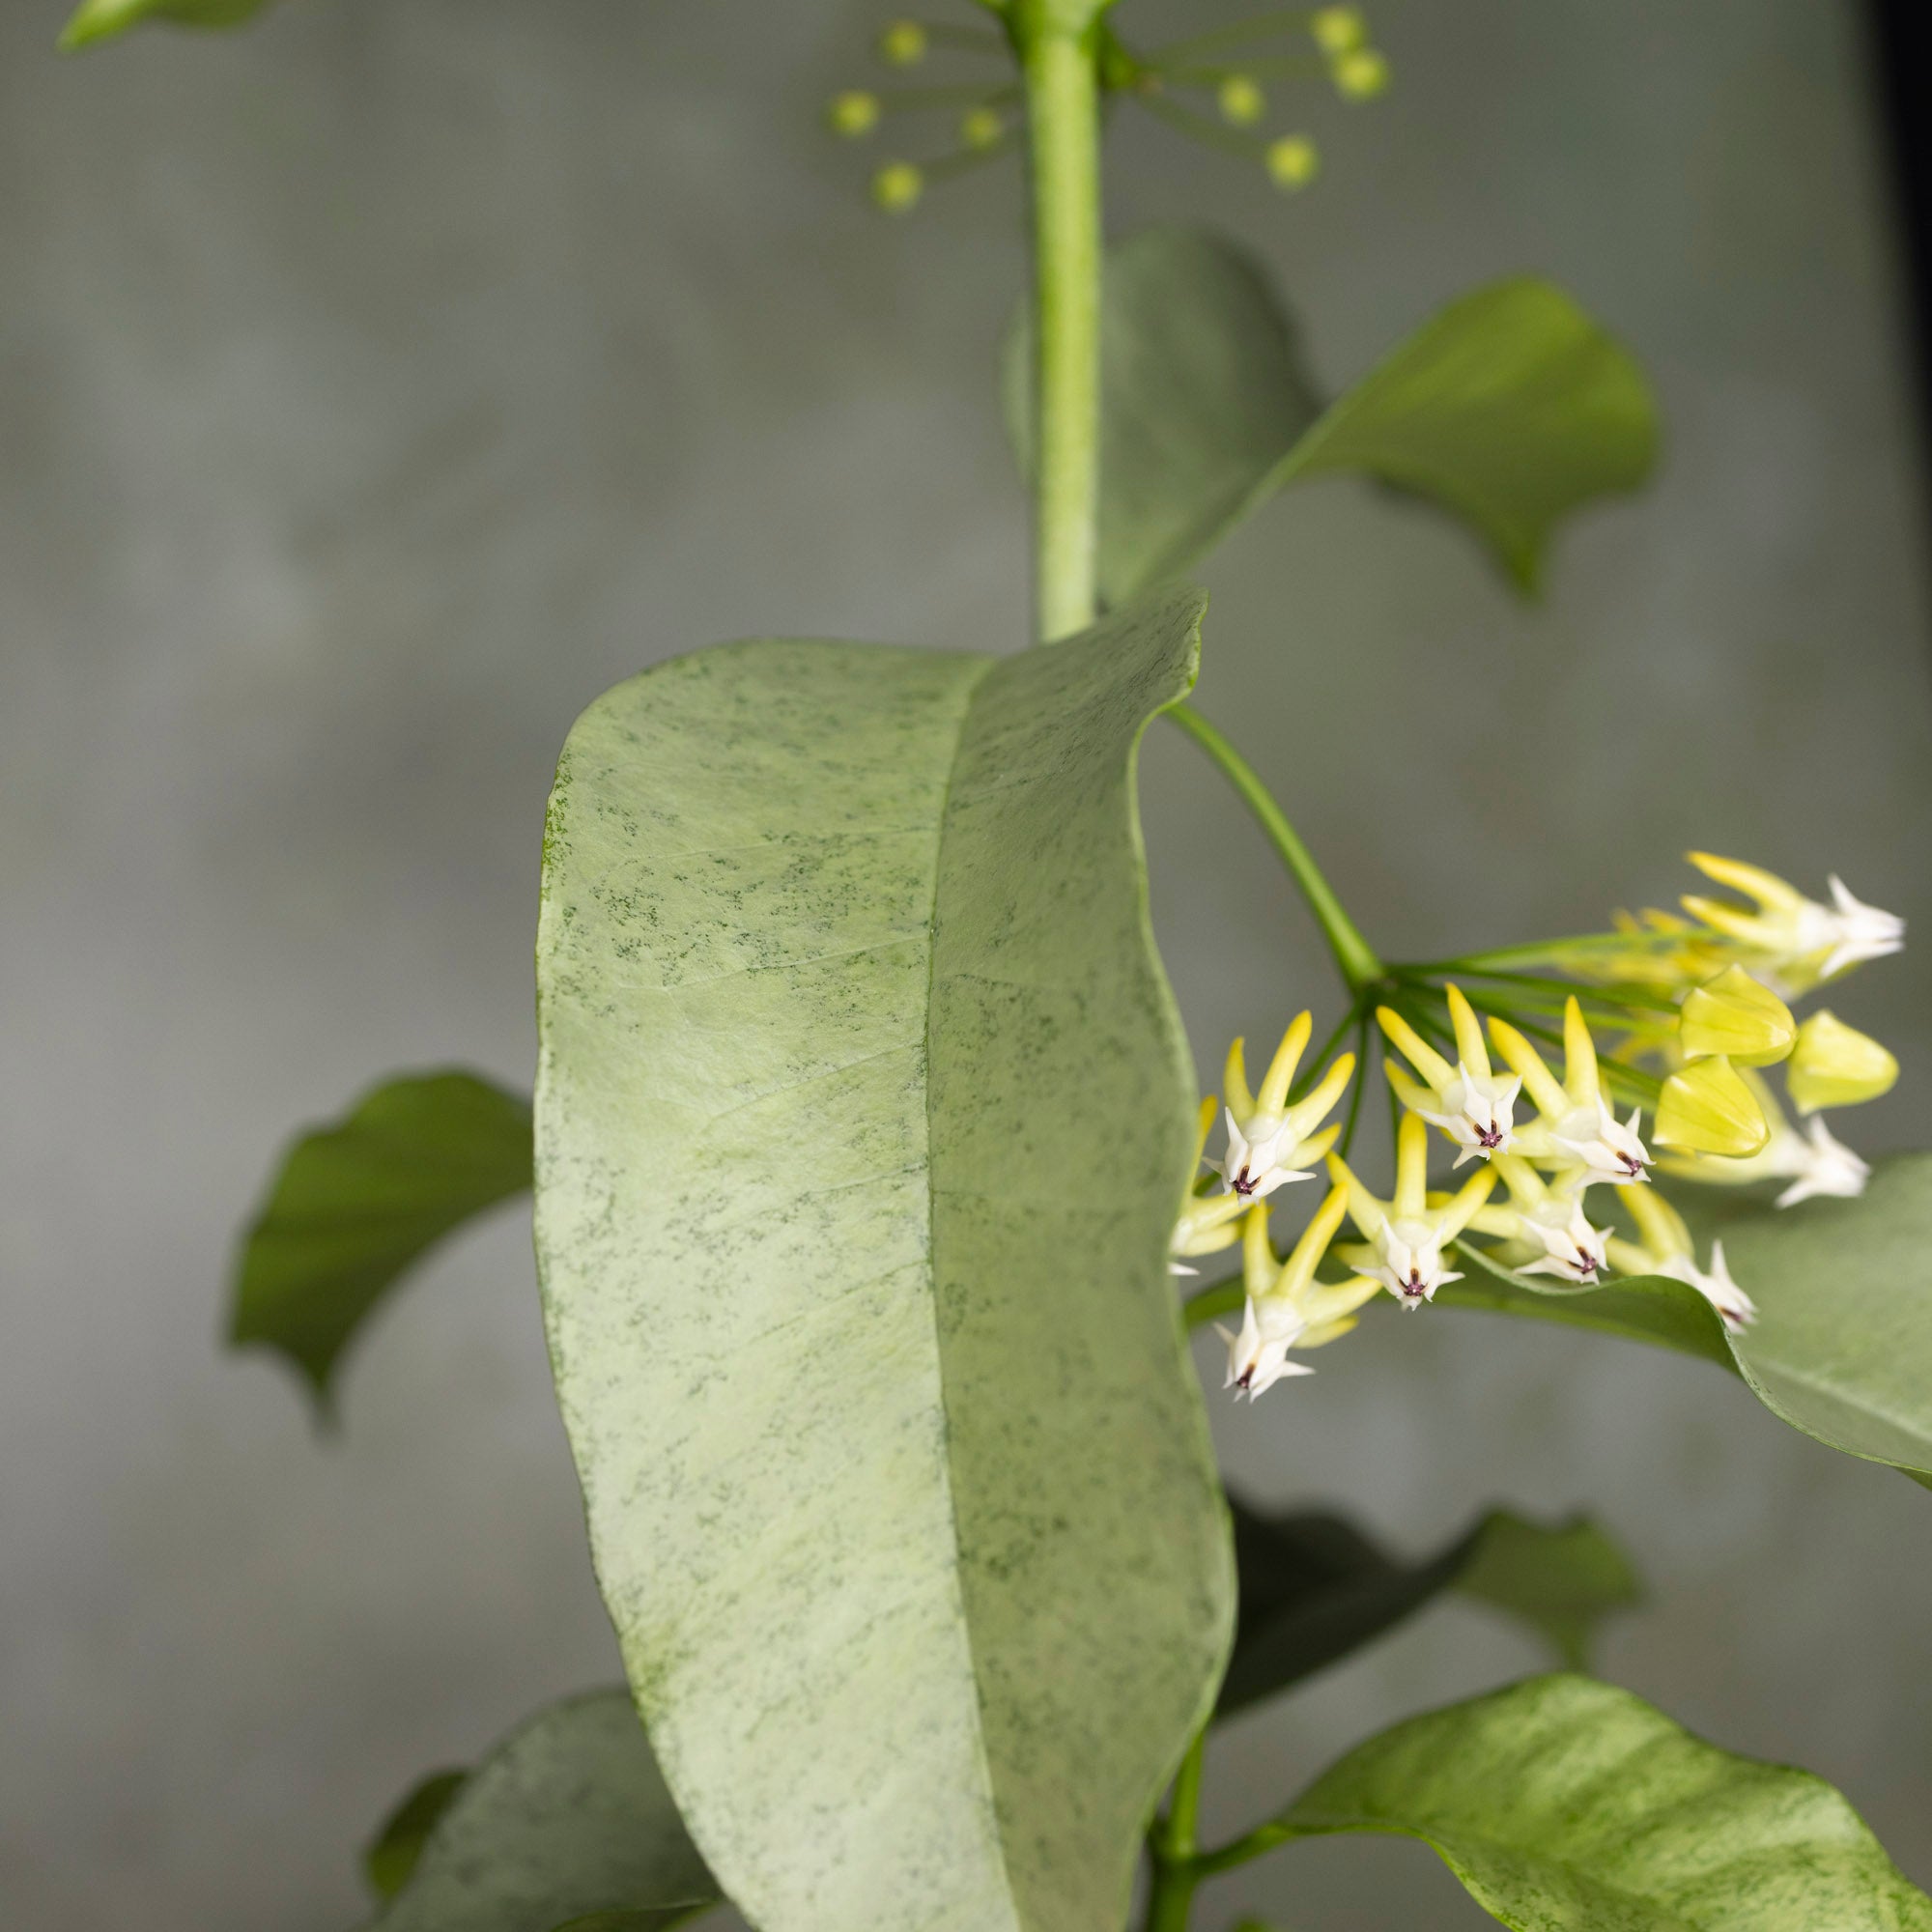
[1700,1003]
[1213,87]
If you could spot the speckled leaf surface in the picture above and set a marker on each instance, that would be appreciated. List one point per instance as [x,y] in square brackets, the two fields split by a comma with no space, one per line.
[861,1112]
[1510,410]
[1567,1805]
[1842,1346]
[355,1204]
[567,1818]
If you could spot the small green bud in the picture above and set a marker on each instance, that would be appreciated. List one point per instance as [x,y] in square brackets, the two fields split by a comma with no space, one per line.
[1339,30]
[1837,1066]
[1242,102]
[1292,161]
[1737,1016]
[902,44]
[853,115]
[982,128]
[1361,75]
[897,186]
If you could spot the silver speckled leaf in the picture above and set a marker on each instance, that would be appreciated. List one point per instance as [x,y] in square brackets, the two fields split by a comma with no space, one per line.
[861,1111]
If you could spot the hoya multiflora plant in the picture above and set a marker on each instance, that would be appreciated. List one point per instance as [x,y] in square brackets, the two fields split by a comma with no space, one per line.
[872,1182]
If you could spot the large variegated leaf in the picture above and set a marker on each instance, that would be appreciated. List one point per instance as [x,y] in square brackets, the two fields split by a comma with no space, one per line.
[1511,409]
[568,1817]
[355,1204]
[1567,1805]
[861,1112]
[1842,1346]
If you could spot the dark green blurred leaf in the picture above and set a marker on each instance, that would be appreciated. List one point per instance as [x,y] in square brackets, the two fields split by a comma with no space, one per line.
[95,20]
[1510,410]
[567,1822]
[1314,1589]
[392,1856]
[1567,1805]
[1842,1346]
[356,1204]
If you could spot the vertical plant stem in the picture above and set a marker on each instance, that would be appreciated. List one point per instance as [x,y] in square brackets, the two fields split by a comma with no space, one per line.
[1063,131]
[1173,1842]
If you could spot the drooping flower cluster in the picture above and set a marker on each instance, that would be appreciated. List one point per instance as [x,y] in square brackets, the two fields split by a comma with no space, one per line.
[1700,1004]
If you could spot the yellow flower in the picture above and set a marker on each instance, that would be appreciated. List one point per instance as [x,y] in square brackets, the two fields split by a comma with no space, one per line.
[1206,1222]
[1835,1066]
[1361,75]
[902,44]
[982,128]
[1738,1016]
[1547,1224]
[1796,942]
[1812,1161]
[897,186]
[853,114]
[1242,102]
[1473,1106]
[1406,1236]
[1292,161]
[1665,1248]
[1339,30]
[1706,1108]
[1269,1139]
[1574,1128]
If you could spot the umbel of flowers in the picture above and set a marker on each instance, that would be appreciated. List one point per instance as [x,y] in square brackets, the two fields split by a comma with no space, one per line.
[1696,1009]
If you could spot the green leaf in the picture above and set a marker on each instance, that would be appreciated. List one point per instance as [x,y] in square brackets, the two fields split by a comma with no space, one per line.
[1842,1346]
[392,1856]
[862,1109]
[1567,1805]
[567,1818]
[108,19]
[354,1204]
[1314,1589]
[1510,410]
[1202,391]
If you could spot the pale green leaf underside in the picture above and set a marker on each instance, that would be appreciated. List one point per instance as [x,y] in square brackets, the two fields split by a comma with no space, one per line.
[104,20]
[356,1204]
[1842,1346]
[567,1818]
[861,1111]
[1567,1805]
[1510,410]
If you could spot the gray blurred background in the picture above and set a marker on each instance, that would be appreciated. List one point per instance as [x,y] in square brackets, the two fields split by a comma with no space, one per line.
[379,387]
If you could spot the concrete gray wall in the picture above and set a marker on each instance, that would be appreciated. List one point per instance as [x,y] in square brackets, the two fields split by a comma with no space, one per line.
[377,387]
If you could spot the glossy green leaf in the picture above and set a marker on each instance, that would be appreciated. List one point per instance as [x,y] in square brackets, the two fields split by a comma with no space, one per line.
[1314,1588]
[1511,409]
[353,1205]
[1842,1346]
[1567,1805]
[393,1854]
[1203,391]
[861,1111]
[95,21]
[567,1818]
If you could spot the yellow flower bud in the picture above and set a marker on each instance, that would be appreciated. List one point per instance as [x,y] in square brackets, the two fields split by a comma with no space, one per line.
[897,186]
[1242,102]
[854,114]
[1339,30]
[1738,1016]
[902,44]
[1361,75]
[1706,1108]
[1292,161]
[1835,1066]
[982,128]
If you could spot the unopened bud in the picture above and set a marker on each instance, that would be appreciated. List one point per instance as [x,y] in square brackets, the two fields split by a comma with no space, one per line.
[1361,75]
[902,44]
[854,114]
[1292,161]
[1706,1108]
[1339,30]
[982,128]
[1738,1016]
[1835,1066]
[1242,102]
[897,186]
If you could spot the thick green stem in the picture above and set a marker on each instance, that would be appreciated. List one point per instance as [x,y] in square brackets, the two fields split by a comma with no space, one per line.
[1354,955]
[1063,131]
[1171,1844]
